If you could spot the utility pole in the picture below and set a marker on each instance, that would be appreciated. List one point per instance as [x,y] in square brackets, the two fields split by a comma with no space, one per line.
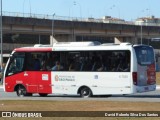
[1,36]
[1,57]
[141,33]
[53,27]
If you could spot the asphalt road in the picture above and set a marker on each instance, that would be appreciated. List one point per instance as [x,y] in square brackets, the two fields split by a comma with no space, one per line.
[153,96]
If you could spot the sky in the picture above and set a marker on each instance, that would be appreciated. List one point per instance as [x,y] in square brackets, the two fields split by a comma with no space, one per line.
[128,10]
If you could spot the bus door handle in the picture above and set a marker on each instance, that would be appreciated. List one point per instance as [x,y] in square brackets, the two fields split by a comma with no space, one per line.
[73,85]
[94,86]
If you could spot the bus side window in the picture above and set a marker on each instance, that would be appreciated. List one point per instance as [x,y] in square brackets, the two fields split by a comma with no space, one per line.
[43,63]
[71,66]
[57,67]
[87,65]
[29,62]
[127,62]
[37,64]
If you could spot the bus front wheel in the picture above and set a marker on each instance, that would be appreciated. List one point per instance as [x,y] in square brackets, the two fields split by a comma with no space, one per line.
[21,91]
[85,92]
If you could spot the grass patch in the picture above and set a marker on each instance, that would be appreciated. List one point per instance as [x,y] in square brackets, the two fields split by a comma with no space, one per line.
[77,106]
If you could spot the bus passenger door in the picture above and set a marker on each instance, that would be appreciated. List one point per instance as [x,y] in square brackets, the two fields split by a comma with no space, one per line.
[44,82]
[31,81]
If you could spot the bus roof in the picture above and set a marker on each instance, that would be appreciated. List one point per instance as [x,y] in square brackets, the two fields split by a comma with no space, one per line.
[66,46]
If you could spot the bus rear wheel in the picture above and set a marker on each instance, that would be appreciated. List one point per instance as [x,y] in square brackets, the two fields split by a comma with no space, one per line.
[85,92]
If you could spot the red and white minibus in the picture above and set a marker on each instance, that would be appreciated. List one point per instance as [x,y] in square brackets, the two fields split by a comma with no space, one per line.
[85,68]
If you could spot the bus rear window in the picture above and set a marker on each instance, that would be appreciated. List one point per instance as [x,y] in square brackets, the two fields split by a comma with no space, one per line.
[145,55]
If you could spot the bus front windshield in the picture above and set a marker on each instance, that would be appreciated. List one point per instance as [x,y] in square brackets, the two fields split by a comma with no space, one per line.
[15,64]
[145,55]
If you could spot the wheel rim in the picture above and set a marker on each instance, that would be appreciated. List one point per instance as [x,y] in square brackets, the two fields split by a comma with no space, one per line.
[86,92]
[21,91]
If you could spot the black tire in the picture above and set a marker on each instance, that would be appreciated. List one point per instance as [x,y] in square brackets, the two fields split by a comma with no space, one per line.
[85,92]
[107,95]
[28,94]
[43,94]
[21,91]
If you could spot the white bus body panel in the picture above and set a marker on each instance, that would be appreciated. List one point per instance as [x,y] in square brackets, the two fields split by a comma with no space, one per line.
[100,83]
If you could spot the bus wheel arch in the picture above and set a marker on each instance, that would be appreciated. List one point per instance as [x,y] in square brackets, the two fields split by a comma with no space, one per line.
[21,90]
[85,91]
